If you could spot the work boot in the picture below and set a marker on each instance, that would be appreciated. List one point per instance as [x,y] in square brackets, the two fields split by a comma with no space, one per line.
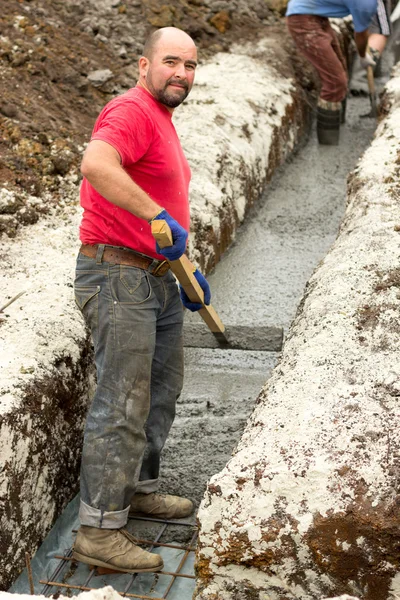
[328,122]
[113,549]
[161,506]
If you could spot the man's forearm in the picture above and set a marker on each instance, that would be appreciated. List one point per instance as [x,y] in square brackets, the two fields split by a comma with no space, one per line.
[113,183]
[361,39]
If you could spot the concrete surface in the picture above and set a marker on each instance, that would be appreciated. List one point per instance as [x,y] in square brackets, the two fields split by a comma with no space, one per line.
[239,337]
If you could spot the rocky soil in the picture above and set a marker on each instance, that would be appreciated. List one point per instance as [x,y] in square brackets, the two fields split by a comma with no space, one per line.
[62,60]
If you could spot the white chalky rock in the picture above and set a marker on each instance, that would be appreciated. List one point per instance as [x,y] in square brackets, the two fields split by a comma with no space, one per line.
[106,593]
[344,597]
[99,77]
[309,504]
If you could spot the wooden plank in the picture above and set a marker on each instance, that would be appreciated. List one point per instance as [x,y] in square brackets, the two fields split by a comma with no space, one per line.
[184,269]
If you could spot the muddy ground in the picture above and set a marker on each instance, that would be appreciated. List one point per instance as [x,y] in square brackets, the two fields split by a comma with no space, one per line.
[62,60]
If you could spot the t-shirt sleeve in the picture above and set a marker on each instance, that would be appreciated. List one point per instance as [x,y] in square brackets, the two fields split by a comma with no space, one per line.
[362,12]
[127,128]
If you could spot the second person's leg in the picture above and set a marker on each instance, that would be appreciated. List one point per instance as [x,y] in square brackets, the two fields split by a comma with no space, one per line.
[313,37]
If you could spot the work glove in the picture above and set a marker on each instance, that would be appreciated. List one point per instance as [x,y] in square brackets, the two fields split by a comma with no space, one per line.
[367,61]
[179,237]
[202,281]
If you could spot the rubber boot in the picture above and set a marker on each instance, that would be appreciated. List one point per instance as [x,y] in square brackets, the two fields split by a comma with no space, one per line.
[343,111]
[328,124]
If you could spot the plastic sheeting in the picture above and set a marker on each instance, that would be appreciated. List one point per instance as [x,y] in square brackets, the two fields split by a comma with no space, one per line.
[61,538]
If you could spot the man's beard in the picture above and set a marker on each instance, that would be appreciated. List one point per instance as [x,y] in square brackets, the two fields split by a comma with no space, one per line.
[167,98]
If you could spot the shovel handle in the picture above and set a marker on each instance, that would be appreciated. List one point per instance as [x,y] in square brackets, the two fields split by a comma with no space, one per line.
[372,91]
[184,271]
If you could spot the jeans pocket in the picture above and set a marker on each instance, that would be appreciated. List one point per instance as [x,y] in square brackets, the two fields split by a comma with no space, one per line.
[135,287]
[87,300]
[83,295]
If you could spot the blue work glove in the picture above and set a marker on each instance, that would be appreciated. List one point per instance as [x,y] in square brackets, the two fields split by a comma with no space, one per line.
[193,306]
[179,236]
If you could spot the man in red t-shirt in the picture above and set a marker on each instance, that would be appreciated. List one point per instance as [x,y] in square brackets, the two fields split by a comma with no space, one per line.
[134,172]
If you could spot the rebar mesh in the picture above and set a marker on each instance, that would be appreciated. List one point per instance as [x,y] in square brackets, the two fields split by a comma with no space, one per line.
[70,577]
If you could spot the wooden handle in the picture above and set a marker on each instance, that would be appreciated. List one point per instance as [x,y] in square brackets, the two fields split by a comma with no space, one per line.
[370,77]
[162,233]
[183,269]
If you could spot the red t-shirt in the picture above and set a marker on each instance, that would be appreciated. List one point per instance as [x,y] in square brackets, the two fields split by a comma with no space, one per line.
[141,130]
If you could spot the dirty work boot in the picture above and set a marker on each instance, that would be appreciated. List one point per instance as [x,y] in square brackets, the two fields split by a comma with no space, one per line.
[328,122]
[161,506]
[113,549]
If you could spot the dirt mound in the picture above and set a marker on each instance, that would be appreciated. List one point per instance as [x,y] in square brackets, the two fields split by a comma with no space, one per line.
[62,60]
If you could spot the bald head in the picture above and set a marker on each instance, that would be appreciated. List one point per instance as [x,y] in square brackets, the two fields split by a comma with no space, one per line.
[168,35]
[167,66]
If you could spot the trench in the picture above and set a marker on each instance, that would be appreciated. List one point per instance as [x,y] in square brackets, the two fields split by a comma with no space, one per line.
[259,282]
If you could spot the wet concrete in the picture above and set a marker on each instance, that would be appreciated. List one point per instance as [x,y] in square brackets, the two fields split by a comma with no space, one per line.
[260,282]
[261,279]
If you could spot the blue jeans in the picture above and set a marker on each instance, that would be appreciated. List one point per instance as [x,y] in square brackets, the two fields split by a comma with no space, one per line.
[135,319]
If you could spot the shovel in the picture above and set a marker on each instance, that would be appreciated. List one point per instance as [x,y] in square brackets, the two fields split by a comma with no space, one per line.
[373,113]
[184,271]
[238,337]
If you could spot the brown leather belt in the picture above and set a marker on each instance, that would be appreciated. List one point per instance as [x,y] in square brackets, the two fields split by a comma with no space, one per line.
[124,256]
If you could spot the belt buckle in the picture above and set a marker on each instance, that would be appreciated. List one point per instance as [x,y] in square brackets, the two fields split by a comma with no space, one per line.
[160,269]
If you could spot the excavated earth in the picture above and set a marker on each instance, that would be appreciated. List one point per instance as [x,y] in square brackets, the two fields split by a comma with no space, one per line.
[62,60]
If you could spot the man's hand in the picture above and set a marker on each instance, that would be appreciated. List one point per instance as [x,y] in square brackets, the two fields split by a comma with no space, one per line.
[367,61]
[202,281]
[179,237]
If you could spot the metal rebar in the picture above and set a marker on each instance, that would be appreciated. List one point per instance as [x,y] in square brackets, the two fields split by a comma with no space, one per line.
[89,589]
[177,574]
[29,571]
[173,574]
[159,534]
[92,572]
[168,521]
[58,569]
[151,543]
[176,547]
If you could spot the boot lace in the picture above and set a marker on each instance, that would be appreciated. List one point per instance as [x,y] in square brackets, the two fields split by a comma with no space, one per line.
[129,536]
